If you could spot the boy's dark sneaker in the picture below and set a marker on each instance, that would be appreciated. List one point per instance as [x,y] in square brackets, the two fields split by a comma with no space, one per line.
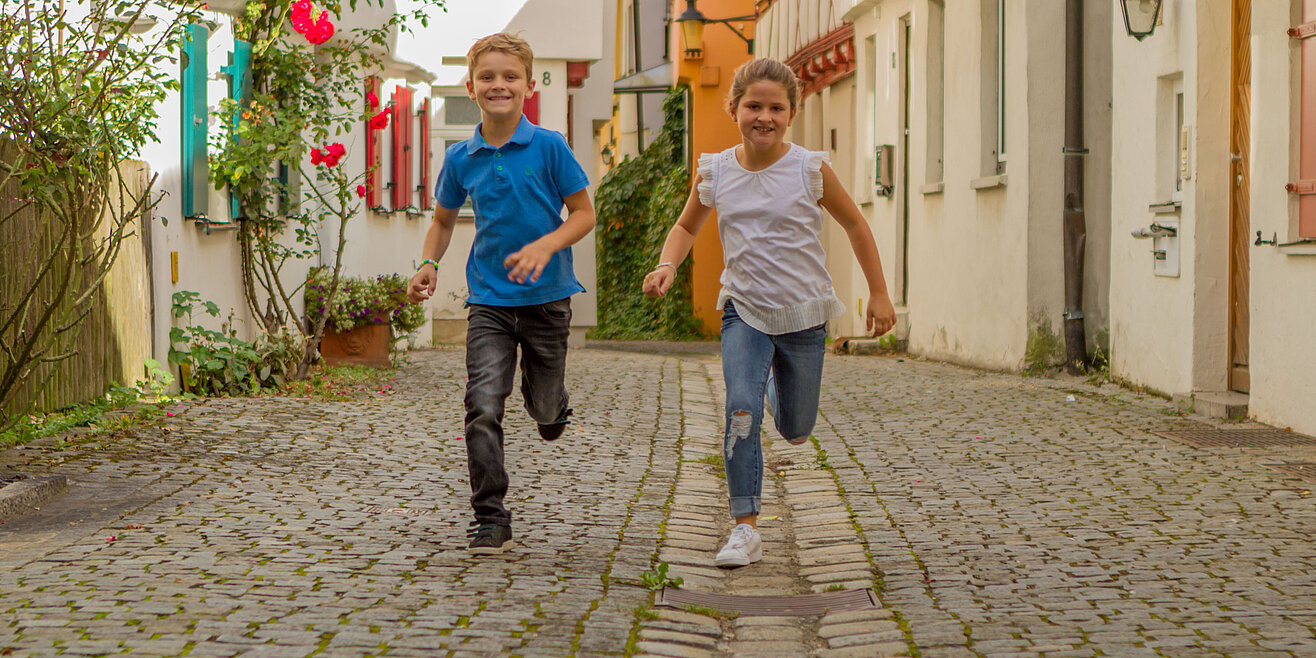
[489,539]
[553,430]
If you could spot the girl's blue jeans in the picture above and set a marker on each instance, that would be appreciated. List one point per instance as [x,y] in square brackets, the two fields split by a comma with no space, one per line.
[751,362]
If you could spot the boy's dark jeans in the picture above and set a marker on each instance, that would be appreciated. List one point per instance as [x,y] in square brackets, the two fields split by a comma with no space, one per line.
[493,334]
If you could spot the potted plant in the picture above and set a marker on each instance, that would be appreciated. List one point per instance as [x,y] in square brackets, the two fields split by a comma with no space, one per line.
[366,314]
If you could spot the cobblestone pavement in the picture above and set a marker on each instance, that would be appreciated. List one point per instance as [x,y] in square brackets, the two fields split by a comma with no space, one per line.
[995,516]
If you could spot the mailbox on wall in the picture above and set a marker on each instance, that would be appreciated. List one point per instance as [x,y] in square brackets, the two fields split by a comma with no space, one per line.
[884,180]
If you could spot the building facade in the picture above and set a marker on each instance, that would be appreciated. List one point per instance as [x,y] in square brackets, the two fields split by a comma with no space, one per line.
[945,120]
[1215,157]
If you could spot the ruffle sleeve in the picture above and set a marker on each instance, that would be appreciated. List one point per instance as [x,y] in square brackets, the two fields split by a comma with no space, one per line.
[813,172]
[706,182]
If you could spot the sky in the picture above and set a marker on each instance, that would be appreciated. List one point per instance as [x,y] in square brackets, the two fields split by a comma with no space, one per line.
[451,33]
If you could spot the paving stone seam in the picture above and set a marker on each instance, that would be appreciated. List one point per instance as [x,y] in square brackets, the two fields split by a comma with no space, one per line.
[868,552]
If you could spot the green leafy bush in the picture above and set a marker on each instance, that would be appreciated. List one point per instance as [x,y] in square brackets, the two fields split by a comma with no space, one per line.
[365,300]
[637,204]
[220,363]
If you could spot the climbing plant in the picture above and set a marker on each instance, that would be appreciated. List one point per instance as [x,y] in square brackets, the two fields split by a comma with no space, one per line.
[637,204]
[306,92]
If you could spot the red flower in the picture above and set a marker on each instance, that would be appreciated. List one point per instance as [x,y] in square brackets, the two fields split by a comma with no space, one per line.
[300,16]
[316,156]
[322,30]
[371,99]
[379,121]
[361,190]
[336,149]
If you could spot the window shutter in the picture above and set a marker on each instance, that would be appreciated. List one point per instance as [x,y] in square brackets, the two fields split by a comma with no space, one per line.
[531,108]
[238,71]
[1305,187]
[196,167]
[372,150]
[402,148]
[424,185]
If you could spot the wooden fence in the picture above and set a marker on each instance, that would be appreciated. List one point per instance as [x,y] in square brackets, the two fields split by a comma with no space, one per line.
[113,341]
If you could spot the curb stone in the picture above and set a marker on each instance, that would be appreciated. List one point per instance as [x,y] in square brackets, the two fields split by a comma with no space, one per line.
[20,497]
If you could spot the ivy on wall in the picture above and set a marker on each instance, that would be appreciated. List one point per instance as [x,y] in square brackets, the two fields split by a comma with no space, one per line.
[638,202]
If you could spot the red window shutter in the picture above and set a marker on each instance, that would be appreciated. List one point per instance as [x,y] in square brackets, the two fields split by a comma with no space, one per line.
[401,148]
[1307,152]
[425,186]
[531,108]
[372,149]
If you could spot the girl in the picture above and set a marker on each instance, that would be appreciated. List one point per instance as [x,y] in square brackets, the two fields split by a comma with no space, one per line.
[776,293]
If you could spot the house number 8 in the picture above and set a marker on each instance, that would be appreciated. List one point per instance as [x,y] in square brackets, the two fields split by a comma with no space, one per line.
[548,79]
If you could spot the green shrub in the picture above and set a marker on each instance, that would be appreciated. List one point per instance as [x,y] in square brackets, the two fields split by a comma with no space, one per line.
[638,202]
[220,363]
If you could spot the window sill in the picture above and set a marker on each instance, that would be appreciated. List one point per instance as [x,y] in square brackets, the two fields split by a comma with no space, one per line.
[1301,249]
[1166,207]
[988,182]
[932,188]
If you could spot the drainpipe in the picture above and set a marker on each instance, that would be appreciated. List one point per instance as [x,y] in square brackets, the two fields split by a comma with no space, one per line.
[639,66]
[1075,228]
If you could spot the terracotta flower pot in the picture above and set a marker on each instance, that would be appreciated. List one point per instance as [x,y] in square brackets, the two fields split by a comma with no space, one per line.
[367,345]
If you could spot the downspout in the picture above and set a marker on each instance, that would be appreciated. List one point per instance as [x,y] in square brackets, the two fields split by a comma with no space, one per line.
[1075,228]
[639,66]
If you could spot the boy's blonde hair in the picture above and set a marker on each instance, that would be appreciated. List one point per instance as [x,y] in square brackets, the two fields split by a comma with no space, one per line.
[501,42]
[758,70]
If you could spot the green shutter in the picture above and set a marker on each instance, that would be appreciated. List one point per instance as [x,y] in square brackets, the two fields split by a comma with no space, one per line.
[239,89]
[196,168]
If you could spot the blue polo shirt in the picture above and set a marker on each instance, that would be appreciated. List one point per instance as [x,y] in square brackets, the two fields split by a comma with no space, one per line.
[518,191]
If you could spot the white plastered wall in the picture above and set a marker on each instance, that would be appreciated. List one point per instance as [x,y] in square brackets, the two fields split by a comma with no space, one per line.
[1283,295]
[1168,333]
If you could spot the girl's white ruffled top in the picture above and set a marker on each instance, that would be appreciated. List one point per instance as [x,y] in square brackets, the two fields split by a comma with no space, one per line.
[771,228]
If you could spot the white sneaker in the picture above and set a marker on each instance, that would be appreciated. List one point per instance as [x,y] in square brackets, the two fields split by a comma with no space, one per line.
[744,547]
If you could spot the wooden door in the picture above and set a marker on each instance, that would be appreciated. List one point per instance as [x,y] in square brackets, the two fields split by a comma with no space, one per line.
[1240,97]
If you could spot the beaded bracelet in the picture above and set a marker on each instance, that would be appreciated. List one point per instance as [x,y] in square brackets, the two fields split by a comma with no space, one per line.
[428,261]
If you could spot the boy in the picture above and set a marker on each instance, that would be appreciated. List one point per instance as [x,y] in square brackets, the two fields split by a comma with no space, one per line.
[519,271]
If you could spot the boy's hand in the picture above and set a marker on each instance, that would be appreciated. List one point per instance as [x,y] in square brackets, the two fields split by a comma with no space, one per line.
[881,315]
[657,282]
[529,262]
[422,284]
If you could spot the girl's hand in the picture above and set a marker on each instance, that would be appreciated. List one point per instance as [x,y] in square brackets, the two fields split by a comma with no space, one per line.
[658,281]
[881,315]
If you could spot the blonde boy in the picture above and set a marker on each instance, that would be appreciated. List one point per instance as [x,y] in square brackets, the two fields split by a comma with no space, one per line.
[519,271]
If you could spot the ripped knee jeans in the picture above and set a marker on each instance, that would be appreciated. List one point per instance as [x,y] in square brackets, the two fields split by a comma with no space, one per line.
[748,356]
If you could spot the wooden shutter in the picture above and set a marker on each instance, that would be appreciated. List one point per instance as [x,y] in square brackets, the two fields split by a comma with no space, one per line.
[1307,151]
[531,108]
[196,166]
[402,148]
[372,149]
[425,186]
[238,71]
[1306,185]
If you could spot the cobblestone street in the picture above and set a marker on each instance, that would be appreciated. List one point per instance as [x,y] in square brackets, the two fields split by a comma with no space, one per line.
[993,515]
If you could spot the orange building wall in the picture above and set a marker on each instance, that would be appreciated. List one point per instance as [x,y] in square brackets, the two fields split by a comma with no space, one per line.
[711,128]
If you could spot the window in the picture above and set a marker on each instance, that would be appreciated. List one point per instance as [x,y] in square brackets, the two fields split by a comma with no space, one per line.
[1000,83]
[992,85]
[460,110]
[936,91]
[1171,139]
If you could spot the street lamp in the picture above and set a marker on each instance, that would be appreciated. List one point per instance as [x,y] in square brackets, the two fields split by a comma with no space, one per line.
[692,23]
[1140,17]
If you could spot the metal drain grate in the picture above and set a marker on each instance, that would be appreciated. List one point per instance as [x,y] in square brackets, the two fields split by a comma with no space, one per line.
[1265,438]
[1306,471]
[405,511]
[803,605]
